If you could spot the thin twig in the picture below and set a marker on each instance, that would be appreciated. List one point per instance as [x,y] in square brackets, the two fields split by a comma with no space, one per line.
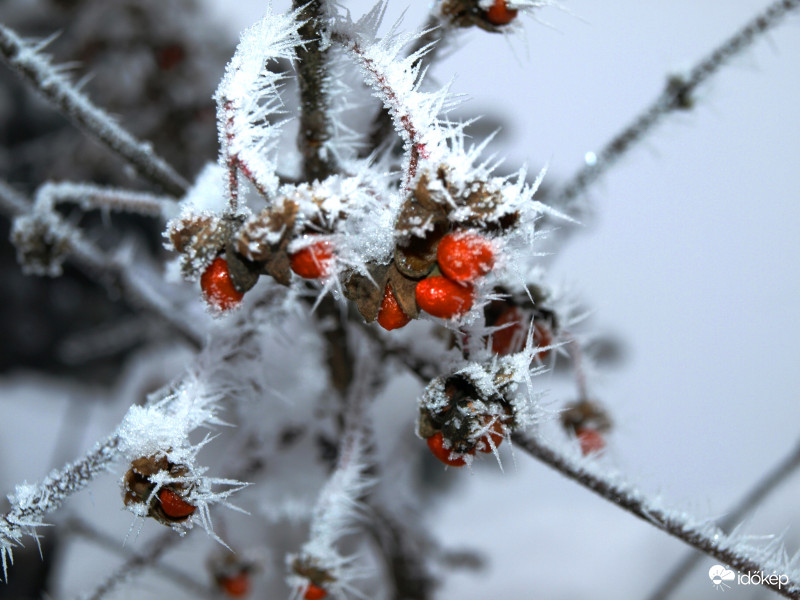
[677,95]
[779,474]
[104,269]
[78,526]
[435,33]
[31,503]
[135,564]
[50,82]
[312,78]
[707,539]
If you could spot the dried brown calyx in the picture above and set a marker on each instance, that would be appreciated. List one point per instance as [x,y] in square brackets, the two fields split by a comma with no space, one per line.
[169,504]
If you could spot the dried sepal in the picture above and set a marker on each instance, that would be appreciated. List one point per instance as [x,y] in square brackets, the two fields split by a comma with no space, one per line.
[142,486]
[366,290]
[198,238]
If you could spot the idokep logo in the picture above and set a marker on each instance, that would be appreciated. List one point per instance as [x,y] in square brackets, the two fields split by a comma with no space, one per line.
[721,578]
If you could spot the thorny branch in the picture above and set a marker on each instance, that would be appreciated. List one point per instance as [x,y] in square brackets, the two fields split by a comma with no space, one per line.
[26,60]
[710,540]
[778,475]
[677,95]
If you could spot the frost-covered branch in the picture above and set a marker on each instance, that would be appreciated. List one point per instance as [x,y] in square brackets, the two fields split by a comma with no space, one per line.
[313,80]
[677,95]
[80,527]
[319,564]
[777,475]
[90,196]
[704,536]
[133,566]
[51,82]
[31,502]
[248,97]
[44,241]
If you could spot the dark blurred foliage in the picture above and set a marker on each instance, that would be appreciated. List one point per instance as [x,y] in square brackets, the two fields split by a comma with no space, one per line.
[154,66]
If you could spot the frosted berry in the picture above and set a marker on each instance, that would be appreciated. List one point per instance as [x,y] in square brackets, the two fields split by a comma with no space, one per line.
[235,586]
[173,505]
[591,440]
[500,14]
[464,257]
[542,338]
[313,261]
[218,287]
[436,444]
[443,298]
[391,316]
[314,592]
[496,435]
[511,338]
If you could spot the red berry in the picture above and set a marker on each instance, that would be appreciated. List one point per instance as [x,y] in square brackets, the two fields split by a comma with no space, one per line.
[441,297]
[314,592]
[391,316]
[436,444]
[500,14]
[465,256]
[313,261]
[541,337]
[235,586]
[495,433]
[217,286]
[173,505]
[591,440]
[510,338]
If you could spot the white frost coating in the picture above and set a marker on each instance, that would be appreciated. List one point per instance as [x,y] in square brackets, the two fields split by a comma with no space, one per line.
[249,94]
[30,502]
[89,196]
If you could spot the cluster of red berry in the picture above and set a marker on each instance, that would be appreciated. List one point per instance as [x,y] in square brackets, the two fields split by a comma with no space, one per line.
[463,420]
[461,257]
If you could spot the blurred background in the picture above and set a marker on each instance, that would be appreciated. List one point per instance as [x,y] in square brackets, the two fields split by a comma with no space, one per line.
[689,258]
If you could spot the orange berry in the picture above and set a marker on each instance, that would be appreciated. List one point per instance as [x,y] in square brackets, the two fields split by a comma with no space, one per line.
[313,261]
[495,433]
[218,287]
[591,440]
[391,316]
[443,298]
[465,256]
[235,586]
[500,14]
[542,337]
[436,444]
[314,592]
[510,338]
[173,505]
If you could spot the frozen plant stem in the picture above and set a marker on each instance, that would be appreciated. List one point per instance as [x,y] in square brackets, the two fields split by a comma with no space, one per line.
[31,503]
[29,63]
[709,540]
[312,78]
[677,95]
[134,565]
[753,498]
[79,527]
